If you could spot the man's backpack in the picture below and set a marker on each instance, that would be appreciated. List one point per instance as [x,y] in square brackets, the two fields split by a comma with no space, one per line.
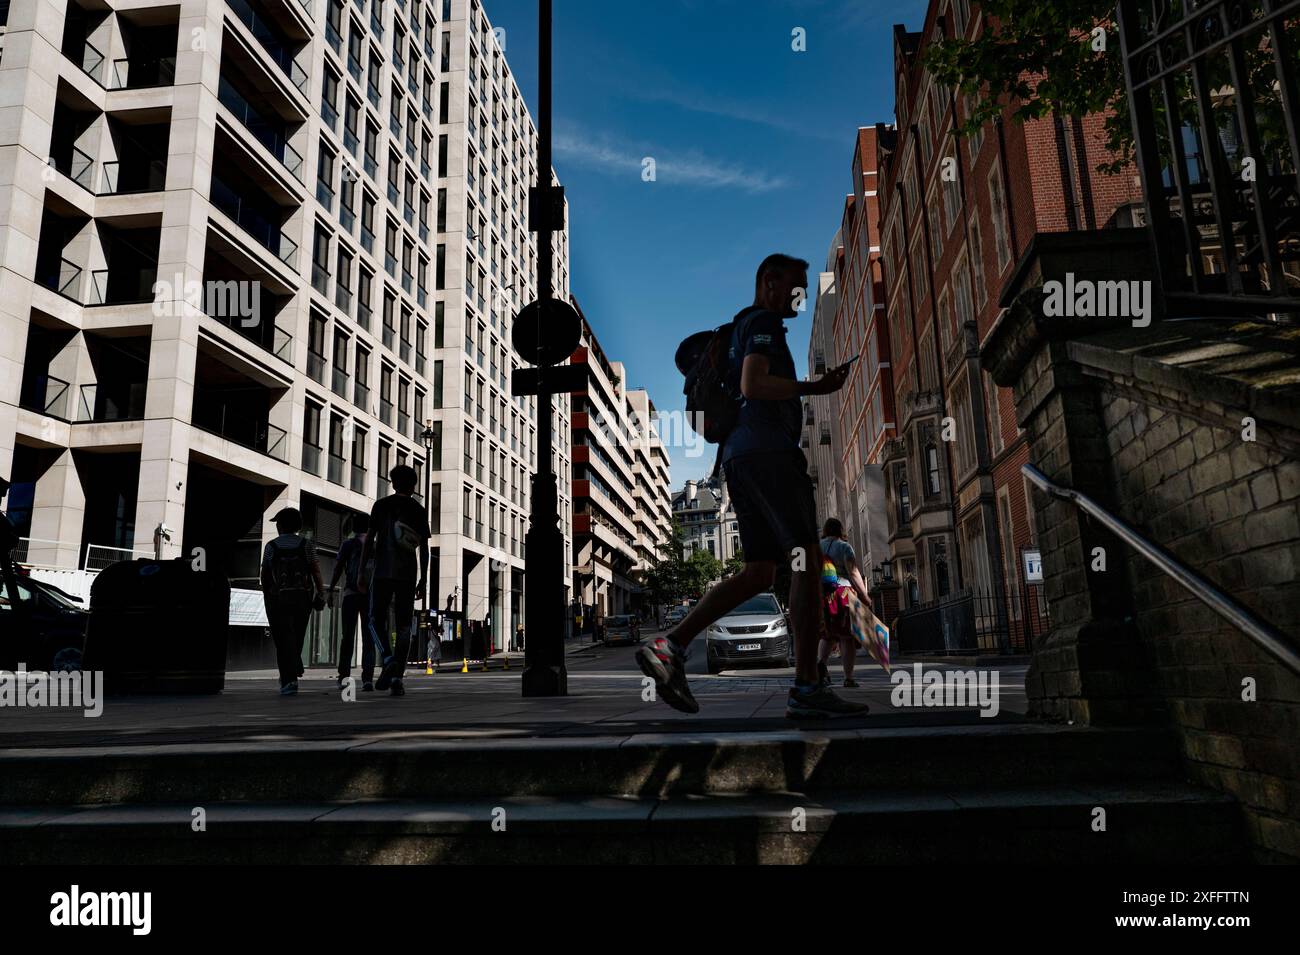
[711,406]
[291,573]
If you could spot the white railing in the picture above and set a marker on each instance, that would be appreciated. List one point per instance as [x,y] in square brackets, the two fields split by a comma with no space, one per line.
[99,556]
[31,551]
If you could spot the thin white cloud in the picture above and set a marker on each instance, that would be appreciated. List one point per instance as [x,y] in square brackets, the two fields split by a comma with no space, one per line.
[688,168]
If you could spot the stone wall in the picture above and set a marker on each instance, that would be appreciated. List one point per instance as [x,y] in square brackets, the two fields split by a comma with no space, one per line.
[1190,432]
[1189,474]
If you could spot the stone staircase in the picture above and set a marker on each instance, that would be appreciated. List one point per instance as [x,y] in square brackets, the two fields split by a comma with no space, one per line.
[998,793]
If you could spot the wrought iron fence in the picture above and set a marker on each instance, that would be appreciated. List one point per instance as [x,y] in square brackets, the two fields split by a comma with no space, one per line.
[995,620]
[1216,118]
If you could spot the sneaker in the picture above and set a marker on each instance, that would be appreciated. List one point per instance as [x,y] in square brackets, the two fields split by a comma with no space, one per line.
[823,675]
[343,682]
[397,689]
[665,663]
[386,677]
[850,683]
[367,687]
[289,689]
[820,703]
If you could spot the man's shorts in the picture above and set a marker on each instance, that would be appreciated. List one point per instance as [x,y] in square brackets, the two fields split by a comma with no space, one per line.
[775,508]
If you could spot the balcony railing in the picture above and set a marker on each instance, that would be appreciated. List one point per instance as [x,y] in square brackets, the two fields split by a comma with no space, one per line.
[79,167]
[142,73]
[111,401]
[275,339]
[311,458]
[252,219]
[343,298]
[266,131]
[316,366]
[271,41]
[93,63]
[320,278]
[49,396]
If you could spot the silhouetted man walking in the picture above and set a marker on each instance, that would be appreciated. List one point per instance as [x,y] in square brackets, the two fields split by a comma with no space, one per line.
[399,533]
[767,478]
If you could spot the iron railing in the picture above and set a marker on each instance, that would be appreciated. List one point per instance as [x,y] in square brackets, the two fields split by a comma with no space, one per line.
[1216,118]
[979,620]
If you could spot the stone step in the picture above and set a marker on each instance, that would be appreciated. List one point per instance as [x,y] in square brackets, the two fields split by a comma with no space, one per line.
[1145,822]
[648,765]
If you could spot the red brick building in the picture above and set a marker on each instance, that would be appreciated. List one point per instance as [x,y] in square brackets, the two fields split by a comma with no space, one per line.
[956,216]
[864,409]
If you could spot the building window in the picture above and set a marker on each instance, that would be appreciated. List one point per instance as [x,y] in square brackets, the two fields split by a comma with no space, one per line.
[932,469]
[977,264]
[998,212]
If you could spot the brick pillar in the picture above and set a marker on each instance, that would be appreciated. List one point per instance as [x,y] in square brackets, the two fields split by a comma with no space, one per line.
[1090,667]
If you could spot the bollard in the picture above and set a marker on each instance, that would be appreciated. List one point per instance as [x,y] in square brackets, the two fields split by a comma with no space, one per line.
[464,664]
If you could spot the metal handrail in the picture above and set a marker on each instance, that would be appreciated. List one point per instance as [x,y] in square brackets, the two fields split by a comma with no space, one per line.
[1264,634]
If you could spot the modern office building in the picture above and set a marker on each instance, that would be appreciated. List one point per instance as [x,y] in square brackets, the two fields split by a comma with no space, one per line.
[957,214]
[622,524]
[250,248]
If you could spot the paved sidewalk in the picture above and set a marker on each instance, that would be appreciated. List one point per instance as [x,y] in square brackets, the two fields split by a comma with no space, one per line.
[605,698]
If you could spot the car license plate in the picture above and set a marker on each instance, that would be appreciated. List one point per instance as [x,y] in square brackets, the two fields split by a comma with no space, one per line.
[749,646]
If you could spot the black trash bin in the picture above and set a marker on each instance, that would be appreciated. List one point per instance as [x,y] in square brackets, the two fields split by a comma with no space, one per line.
[159,627]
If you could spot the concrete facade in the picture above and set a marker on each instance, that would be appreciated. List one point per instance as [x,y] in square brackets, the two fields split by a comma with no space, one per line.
[622,525]
[251,248]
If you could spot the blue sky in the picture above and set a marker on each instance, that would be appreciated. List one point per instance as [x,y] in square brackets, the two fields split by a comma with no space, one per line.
[753,144]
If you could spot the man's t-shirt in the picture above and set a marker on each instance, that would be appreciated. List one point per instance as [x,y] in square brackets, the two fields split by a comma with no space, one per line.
[392,560]
[763,426]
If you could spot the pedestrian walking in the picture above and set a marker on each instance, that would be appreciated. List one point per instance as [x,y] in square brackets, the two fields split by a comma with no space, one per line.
[398,542]
[767,478]
[350,568]
[291,589]
[839,628]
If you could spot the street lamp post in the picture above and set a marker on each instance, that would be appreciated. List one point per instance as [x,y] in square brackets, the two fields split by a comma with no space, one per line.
[545,333]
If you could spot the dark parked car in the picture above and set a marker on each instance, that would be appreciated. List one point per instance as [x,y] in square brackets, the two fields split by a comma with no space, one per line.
[622,629]
[57,627]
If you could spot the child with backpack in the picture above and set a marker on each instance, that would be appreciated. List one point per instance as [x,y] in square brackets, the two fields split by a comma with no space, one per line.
[291,589]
